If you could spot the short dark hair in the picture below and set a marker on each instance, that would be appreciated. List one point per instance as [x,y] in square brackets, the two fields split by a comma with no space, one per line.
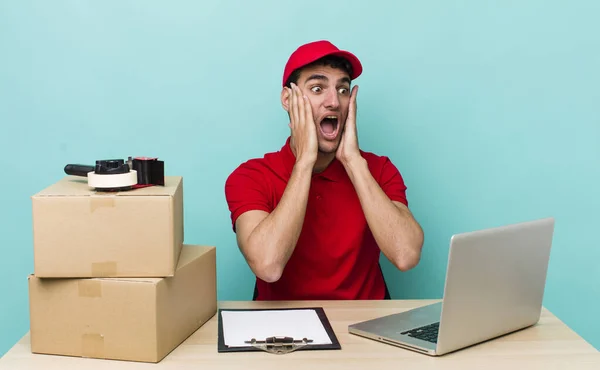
[332,61]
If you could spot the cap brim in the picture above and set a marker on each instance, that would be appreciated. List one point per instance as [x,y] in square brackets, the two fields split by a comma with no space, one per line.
[353,60]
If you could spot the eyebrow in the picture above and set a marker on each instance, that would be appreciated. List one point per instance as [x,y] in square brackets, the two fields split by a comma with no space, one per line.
[324,78]
[316,77]
[346,80]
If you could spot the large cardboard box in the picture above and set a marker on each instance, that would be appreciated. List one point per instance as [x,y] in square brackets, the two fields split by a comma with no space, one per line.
[135,319]
[78,232]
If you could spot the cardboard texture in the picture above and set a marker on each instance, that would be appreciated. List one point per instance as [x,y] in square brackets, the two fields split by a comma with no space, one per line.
[78,232]
[134,319]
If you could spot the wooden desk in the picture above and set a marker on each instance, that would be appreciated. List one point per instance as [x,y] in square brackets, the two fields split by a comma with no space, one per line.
[548,345]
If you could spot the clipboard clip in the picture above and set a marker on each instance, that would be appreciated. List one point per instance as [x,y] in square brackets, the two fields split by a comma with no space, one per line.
[279,345]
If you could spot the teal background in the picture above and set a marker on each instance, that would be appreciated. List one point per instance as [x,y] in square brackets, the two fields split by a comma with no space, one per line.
[489,110]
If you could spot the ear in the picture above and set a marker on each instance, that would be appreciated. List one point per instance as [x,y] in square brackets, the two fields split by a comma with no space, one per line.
[285,98]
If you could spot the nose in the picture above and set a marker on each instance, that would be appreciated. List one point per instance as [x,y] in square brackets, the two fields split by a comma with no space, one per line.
[332,100]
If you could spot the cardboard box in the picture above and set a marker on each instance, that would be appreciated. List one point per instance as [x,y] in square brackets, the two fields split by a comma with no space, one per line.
[78,232]
[135,319]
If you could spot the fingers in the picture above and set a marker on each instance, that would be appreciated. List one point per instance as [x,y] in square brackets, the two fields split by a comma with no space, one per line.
[301,105]
[352,107]
[289,107]
[289,99]
[354,92]
[293,108]
[308,111]
[350,126]
[296,102]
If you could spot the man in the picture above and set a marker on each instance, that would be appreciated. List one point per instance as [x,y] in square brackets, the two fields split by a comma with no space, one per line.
[312,218]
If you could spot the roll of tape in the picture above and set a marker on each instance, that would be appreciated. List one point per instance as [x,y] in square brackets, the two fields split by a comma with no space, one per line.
[112,181]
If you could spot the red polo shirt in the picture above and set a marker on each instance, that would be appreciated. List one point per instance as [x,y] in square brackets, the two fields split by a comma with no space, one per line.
[336,256]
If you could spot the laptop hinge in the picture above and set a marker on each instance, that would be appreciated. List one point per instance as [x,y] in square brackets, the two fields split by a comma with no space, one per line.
[403,344]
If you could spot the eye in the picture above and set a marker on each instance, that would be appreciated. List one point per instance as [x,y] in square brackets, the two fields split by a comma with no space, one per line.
[316,89]
[343,90]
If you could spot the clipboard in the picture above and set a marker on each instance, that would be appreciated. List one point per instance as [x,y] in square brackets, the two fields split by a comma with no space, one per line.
[279,344]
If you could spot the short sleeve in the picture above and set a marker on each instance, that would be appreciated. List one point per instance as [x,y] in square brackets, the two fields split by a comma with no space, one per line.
[392,183]
[246,190]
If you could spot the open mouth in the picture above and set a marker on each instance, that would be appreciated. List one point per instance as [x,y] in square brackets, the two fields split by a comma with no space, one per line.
[329,126]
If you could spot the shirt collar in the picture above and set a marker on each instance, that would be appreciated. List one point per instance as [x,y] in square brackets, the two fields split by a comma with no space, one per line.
[334,172]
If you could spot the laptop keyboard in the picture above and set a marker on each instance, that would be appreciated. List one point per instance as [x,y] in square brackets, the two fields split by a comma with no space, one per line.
[428,333]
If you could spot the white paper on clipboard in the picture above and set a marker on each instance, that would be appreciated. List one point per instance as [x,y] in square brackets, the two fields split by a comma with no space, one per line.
[241,326]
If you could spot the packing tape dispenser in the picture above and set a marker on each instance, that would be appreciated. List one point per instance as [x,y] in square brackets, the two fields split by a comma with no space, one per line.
[119,175]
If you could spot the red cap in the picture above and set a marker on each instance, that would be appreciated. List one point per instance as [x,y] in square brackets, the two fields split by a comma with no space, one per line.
[312,51]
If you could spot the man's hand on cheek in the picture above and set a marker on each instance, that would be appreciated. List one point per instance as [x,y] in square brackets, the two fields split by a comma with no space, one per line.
[303,130]
[348,148]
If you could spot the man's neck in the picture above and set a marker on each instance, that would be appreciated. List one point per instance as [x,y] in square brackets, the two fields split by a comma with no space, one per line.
[323,161]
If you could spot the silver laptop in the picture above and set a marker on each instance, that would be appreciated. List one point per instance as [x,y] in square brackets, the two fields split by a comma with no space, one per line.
[495,283]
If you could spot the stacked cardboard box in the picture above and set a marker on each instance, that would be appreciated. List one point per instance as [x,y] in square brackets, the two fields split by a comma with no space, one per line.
[112,277]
